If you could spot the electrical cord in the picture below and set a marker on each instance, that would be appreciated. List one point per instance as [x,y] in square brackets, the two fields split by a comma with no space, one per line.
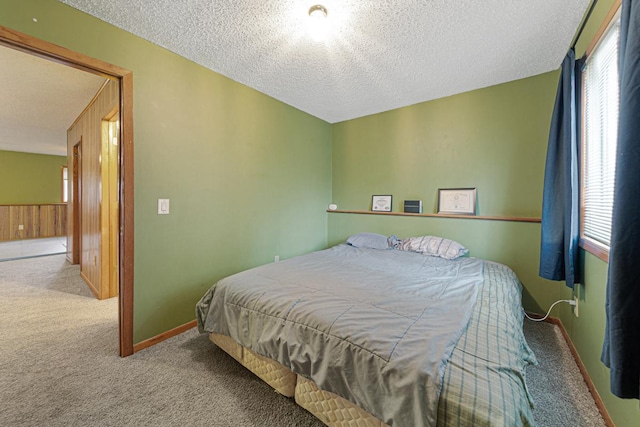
[569,301]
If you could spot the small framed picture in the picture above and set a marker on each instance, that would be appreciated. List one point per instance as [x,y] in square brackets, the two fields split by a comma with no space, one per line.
[381,203]
[461,201]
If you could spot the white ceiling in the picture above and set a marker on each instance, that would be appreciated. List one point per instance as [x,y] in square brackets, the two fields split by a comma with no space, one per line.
[379,55]
[39,100]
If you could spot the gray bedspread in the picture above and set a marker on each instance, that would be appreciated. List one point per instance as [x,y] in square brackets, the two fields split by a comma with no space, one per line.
[373,326]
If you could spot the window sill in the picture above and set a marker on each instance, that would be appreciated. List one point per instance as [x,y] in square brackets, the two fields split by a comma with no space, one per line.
[595,248]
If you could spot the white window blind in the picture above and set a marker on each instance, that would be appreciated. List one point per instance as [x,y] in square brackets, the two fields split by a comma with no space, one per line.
[601,90]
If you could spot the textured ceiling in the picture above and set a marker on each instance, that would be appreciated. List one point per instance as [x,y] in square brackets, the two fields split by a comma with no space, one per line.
[40,99]
[377,55]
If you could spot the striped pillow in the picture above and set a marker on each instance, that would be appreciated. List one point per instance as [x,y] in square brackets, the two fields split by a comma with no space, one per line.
[434,246]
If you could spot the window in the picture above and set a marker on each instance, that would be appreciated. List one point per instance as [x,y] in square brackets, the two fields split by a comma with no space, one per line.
[600,134]
[65,184]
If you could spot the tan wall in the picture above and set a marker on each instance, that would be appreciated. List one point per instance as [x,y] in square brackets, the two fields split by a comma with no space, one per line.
[94,197]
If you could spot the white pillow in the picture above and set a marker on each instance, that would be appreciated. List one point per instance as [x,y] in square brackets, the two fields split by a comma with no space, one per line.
[434,246]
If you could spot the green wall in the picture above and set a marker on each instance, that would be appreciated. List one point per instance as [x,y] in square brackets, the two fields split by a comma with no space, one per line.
[494,139]
[27,178]
[248,177]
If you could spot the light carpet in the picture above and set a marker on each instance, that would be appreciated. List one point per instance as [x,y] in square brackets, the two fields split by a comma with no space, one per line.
[60,367]
[28,248]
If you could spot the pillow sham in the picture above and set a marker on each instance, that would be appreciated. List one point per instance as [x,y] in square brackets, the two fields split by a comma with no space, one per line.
[433,246]
[368,240]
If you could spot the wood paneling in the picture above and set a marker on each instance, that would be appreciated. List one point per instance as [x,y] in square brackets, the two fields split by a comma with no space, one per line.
[19,222]
[95,225]
[5,228]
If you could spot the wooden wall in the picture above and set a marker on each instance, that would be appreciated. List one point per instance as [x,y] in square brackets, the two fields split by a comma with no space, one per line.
[97,158]
[36,220]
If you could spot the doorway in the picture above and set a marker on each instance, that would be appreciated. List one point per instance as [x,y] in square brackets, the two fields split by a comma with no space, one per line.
[43,49]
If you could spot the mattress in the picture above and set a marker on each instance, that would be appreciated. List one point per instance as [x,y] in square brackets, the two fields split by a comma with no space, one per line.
[483,381]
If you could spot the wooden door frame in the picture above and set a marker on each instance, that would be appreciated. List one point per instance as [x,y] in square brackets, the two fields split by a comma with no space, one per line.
[46,50]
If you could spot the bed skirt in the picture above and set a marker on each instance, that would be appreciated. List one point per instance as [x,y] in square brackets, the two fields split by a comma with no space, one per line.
[268,370]
[329,408]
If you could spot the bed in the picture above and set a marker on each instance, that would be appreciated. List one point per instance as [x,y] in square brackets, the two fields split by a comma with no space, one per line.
[388,335]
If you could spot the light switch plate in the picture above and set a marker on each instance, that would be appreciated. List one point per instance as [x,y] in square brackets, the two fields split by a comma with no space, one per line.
[163,206]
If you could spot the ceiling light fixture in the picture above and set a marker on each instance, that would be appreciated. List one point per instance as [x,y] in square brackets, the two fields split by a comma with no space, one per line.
[318,27]
[318,11]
